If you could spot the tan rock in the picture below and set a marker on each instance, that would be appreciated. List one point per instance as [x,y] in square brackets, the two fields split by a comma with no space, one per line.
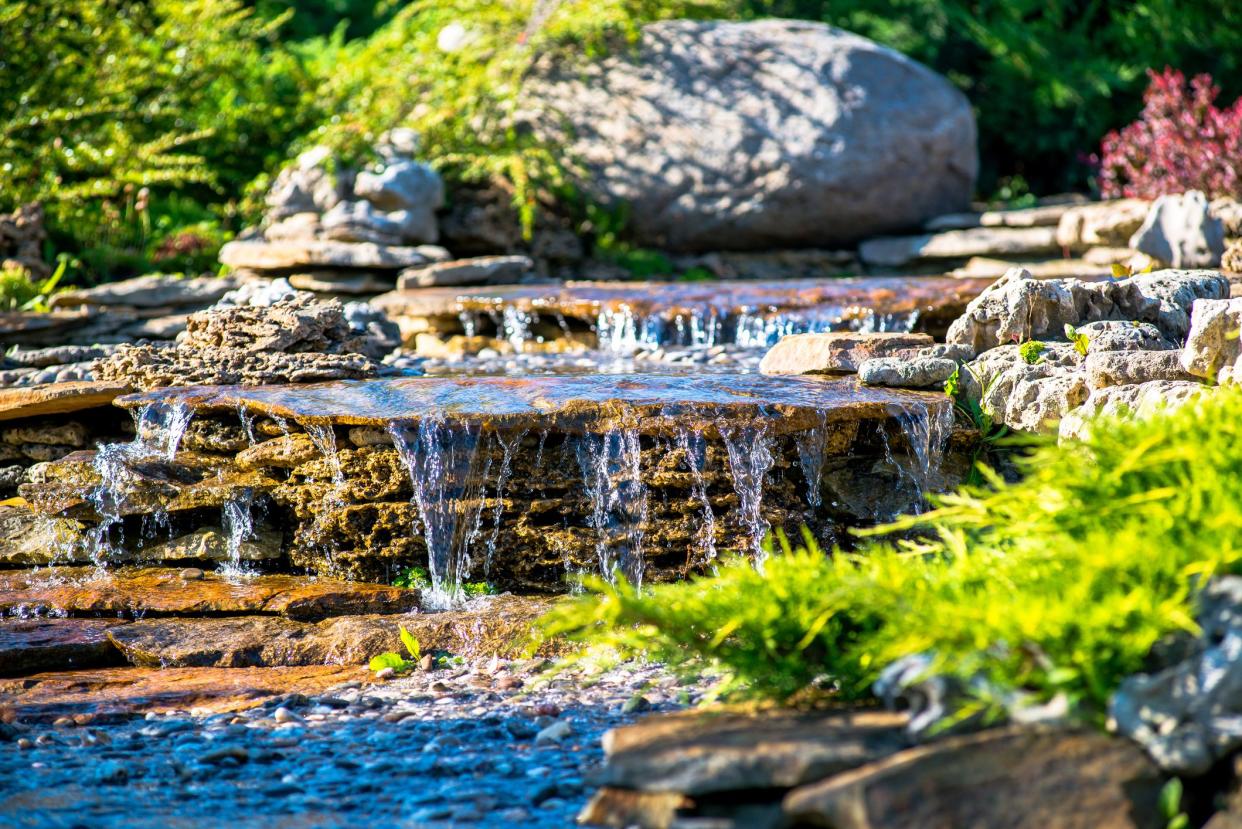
[310,253]
[155,590]
[28,646]
[124,692]
[1045,215]
[625,808]
[1014,778]
[1122,368]
[1101,224]
[58,398]
[1135,401]
[52,434]
[479,270]
[985,268]
[896,251]
[702,752]
[835,352]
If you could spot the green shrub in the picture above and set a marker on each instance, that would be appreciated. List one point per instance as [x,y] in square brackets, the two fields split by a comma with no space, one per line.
[1059,583]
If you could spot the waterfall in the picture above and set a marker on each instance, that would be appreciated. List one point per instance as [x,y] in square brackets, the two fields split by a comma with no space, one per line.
[611,472]
[750,458]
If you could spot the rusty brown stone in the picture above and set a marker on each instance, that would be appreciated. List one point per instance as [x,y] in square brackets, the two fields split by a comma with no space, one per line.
[1011,777]
[835,352]
[28,646]
[120,693]
[58,398]
[624,808]
[152,591]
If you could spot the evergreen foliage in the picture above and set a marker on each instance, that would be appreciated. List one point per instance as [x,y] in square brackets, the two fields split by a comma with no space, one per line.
[1060,583]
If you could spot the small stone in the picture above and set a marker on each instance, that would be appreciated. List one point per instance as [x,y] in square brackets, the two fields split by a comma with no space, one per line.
[191,574]
[385,673]
[113,774]
[554,733]
[63,722]
[238,753]
[635,704]
[283,715]
[427,663]
[547,709]
[898,372]
[25,744]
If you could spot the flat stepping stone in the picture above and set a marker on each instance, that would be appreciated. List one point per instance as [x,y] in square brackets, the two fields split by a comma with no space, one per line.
[148,591]
[899,251]
[282,255]
[501,628]
[58,398]
[29,646]
[108,694]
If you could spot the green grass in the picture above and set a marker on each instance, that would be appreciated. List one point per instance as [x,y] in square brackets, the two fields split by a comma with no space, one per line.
[1058,584]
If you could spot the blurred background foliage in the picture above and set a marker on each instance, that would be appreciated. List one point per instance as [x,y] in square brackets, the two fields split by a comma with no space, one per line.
[150,127]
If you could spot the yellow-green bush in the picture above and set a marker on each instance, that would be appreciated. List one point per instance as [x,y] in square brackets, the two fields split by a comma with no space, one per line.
[1059,583]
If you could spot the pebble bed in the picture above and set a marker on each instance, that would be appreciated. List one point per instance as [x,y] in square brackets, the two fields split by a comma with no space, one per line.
[489,744]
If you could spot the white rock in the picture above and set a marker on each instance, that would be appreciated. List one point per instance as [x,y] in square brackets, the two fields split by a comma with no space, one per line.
[1181,232]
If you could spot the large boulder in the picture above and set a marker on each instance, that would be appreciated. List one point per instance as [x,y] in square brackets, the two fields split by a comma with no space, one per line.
[1181,232]
[770,133]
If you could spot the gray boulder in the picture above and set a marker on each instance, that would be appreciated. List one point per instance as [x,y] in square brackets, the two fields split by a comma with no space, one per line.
[1140,400]
[907,372]
[771,133]
[1116,335]
[1188,716]
[1024,396]
[1123,368]
[361,221]
[1181,232]
[309,185]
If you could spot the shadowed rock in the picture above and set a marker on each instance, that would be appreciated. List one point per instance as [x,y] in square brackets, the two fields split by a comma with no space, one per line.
[28,646]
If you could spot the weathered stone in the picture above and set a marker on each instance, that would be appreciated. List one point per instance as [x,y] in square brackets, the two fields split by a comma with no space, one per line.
[1018,308]
[1123,368]
[480,270]
[1231,261]
[982,267]
[703,752]
[22,238]
[1181,232]
[340,282]
[298,227]
[907,372]
[501,628]
[160,328]
[624,808]
[121,693]
[27,538]
[284,452]
[1213,349]
[1186,716]
[1026,397]
[896,251]
[311,184]
[313,253]
[154,291]
[361,221]
[1101,224]
[211,544]
[1115,335]
[1045,215]
[296,340]
[834,352]
[1006,777]
[153,591]
[61,398]
[28,646]
[772,133]
[56,355]
[1134,401]
[71,433]
[408,187]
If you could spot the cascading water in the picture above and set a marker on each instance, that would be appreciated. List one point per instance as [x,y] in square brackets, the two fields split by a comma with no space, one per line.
[750,458]
[237,520]
[611,470]
[509,444]
[694,446]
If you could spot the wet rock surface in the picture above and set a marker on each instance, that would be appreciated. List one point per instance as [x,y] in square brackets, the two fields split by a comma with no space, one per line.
[479,744]
[31,646]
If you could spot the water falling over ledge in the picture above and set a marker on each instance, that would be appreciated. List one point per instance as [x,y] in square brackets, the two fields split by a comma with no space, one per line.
[528,481]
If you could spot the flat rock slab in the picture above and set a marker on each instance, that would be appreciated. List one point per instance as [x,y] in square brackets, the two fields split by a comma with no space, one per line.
[479,270]
[283,255]
[652,403]
[154,291]
[585,300]
[340,282]
[1011,777]
[704,752]
[120,693]
[835,352]
[896,251]
[501,627]
[29,646]
[159,591]
[58,398]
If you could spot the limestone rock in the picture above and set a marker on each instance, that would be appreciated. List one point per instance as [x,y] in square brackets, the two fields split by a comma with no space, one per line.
[339,282]
[896,251]
[773,133]
[1101,224]
[1042,216]
[1018,307]
[154,291]
[1116,335]
[1231,261]
[409,188]
[838,351]
[1213,349]
[313,253]
[479,270]
[1133,401]
[697,753]
[309,185]
[211,544]
[30,646]
[162,591]
[1181,232]
[27,538]
[1006,777]
[907,373]
[1186,716]
[299,227]
[1123,368]
[1027,397]
[296,340]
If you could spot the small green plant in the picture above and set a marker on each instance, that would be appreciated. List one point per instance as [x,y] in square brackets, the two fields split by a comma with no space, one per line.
[1032,352]
[20,292]
[1080,341]
[974,410]
[413,578]
[473,589]
[1171,805]
[397,662]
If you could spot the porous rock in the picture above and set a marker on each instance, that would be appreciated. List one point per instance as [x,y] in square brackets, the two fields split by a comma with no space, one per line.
[1101,224]
[909,373]
[1133,401]
[1213,348]
[1181,232]
[1123,368]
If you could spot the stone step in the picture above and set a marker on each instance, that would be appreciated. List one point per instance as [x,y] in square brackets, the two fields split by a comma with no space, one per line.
[29,646]
[155,591]
[900,251]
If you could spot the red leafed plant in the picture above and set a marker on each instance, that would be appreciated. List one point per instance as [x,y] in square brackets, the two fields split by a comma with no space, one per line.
[1181,142]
